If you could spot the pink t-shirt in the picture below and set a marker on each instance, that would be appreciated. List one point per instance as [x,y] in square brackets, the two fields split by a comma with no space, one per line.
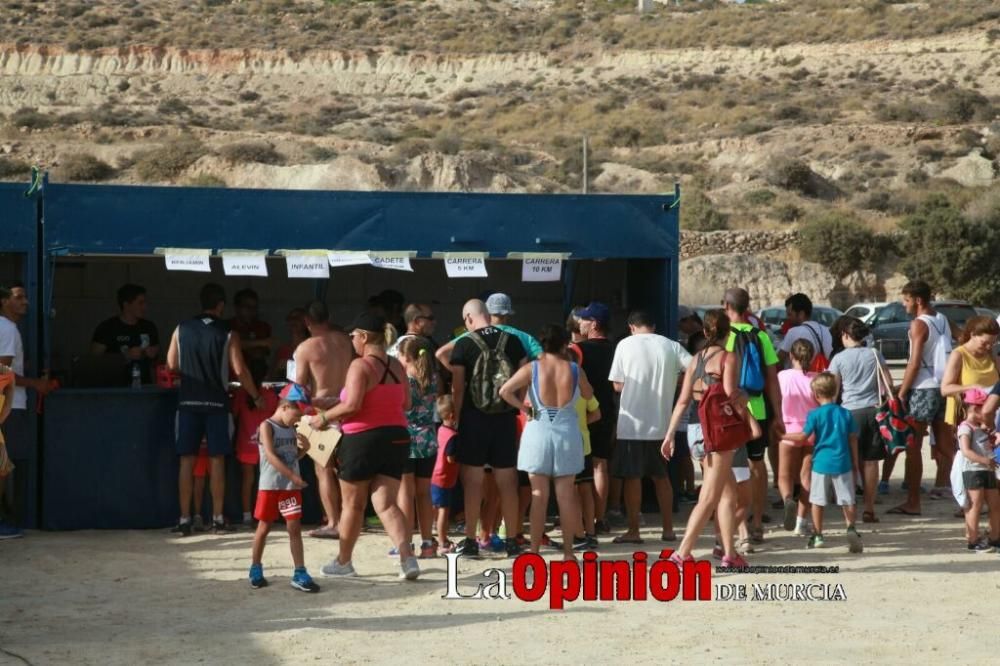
[796,398]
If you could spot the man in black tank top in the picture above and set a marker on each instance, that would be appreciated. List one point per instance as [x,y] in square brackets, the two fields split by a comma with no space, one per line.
[202,350]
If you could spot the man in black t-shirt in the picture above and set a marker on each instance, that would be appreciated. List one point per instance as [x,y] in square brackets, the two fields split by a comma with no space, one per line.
[129,334]
[485,439]
[597,353]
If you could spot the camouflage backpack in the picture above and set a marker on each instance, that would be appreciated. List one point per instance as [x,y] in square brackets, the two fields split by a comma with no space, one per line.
[491,371]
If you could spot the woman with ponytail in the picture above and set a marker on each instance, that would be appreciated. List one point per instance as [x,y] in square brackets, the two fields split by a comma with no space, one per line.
[415,490]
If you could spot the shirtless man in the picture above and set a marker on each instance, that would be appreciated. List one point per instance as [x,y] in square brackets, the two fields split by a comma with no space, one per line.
[321,364]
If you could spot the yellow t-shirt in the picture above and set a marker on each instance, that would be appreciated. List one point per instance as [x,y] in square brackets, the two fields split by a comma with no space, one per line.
[583,407]
[975,372]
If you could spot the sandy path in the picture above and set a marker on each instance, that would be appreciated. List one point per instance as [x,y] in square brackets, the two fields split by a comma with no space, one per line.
[145,597]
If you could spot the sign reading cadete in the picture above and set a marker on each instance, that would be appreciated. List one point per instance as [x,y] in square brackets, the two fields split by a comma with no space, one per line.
[392,260]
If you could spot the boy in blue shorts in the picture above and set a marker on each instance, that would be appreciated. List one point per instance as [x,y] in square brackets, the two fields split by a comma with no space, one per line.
[835,456]
[280,487]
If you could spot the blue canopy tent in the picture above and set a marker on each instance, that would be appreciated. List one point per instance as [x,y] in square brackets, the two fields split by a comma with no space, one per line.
[108,458]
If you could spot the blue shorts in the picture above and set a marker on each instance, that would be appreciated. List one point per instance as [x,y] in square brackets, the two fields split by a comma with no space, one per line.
[441,497]
[213,426]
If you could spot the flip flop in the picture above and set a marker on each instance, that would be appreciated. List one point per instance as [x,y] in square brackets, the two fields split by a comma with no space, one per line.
[900,511]
[623,539]
[869,517]
[325,532]
[668,537]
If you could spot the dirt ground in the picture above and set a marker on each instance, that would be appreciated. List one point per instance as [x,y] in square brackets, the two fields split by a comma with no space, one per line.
[148,597]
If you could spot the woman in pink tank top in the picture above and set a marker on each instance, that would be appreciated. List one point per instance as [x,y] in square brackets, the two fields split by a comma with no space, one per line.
[372,454]
[795,460]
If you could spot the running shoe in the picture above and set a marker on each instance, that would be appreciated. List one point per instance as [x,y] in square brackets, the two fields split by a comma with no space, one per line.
[497,545]
[198,523]
[816,541]
[409,569]
[580,543]
[257,579]
[394,551]
[804,530]
[184,529]
[522,540]
[883,487]
[337,570]
[550,543]
[592,542]
[484,544]
[602,527]
[980,547]
[736,562]
[428,549]
[511,548]
[221,527]
[10,532]
[301,580]
[791,511]
[467,547]
[757,534]
[614,518]
[854,544]
[717,552]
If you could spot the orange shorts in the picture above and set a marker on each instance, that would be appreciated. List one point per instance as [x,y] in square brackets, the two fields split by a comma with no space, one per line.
[274,503]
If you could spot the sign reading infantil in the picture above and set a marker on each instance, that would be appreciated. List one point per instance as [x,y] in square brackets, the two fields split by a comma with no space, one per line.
[465,265]
[307,264]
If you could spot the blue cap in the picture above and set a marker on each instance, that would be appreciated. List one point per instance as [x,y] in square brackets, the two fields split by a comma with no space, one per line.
[597,311]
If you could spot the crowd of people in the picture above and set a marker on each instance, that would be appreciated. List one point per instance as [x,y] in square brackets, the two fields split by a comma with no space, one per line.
[473,436]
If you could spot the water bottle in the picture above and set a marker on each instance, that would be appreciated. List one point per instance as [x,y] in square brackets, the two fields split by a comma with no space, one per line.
[136,376]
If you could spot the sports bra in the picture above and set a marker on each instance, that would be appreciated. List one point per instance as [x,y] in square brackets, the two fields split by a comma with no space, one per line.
[382,405]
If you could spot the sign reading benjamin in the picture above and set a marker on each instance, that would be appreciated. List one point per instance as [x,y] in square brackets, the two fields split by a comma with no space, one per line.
[244,263]
[541,269]
[392,260]
[307,265]
[188,260]
[465,265]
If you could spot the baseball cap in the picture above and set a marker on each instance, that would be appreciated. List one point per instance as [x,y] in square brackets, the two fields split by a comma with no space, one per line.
[368,321]
[684,312]
[975,396]
[499,304]
[597,311]
[296,393]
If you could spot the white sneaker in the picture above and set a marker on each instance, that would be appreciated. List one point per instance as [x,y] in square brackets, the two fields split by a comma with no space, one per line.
[337,570]
[410,570]
[804,530]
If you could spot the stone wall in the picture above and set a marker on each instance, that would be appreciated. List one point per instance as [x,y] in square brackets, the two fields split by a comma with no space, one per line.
[697,243]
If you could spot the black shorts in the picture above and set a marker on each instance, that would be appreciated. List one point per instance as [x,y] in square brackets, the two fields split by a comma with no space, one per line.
[602,437]
[362,456]
[586,475]
[979,480]
[637,459]
[870,445]
[681,449]
[523,480]
[756,448]
[422,468]
[487,439]
[214,427]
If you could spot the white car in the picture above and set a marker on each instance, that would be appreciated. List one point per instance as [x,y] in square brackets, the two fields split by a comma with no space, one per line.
[866,312]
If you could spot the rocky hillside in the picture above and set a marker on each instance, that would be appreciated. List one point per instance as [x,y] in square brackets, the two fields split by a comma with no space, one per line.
[768,114]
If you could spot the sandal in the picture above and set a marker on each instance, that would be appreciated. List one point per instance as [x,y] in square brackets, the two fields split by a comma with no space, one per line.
[624,539]
[668,537]
[869,517]
[744,547]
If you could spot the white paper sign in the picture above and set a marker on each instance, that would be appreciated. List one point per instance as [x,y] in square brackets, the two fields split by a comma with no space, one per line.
[465,265]
[547,269]
[306,265]
[188,260]
[394,262]
[339,259]
[244,263]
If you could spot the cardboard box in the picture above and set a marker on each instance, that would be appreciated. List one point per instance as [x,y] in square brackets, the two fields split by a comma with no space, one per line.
[321,442]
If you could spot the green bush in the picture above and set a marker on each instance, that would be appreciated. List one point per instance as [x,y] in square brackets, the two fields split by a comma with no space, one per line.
[206,180]
[792,174]
[699,214]
[955,253]
[169,160]
[83,167]
[759,197]
[31,118]
[841,243]
[961,105]
[251,151]
[12,169]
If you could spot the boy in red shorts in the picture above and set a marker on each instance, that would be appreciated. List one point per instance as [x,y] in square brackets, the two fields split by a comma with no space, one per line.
[280,488]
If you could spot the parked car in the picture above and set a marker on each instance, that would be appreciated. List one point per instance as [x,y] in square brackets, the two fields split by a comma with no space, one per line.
[986,312]
[891,327]
[774,317]
[866,312]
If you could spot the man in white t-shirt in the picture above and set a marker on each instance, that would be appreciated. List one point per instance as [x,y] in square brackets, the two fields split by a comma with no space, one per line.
[13,308]
[799,309]
[645,371]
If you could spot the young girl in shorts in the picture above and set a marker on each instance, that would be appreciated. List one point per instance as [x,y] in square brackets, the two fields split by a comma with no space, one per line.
[795,459]
[979,475]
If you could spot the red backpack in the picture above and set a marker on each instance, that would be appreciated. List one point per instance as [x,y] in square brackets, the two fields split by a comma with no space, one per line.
[723,429]
[820,362]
